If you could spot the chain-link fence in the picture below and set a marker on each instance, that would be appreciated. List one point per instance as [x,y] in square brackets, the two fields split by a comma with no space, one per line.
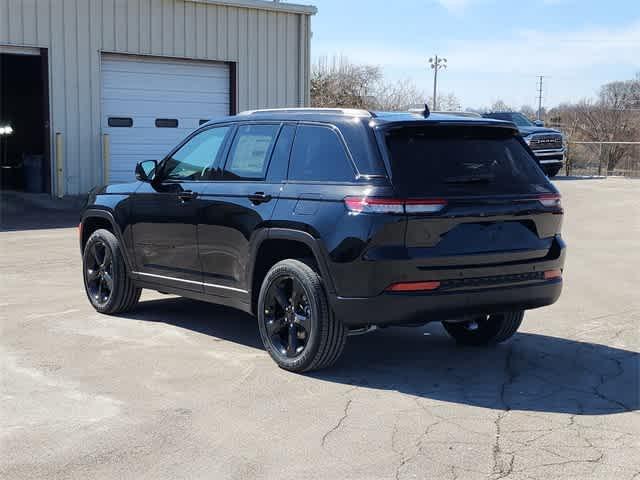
[603,159]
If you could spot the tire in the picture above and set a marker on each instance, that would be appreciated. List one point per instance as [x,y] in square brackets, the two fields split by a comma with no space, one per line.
[491,329]
[106,282]
[552,172]
[297,327]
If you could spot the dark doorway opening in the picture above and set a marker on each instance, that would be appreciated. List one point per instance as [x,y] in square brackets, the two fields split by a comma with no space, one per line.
[24,119]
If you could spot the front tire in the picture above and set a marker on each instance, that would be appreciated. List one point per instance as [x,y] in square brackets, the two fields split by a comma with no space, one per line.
[296,324]
[108,286]
[485,329]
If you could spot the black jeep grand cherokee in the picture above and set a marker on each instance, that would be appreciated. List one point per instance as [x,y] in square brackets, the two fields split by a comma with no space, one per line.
[326,222]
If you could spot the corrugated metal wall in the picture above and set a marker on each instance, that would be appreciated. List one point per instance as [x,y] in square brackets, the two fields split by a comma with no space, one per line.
[271,49]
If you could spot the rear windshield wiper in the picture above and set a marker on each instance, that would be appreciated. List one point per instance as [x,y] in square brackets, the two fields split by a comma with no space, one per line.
[470,179]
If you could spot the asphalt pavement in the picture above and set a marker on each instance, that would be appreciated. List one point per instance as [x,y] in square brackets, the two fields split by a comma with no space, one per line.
[183,389]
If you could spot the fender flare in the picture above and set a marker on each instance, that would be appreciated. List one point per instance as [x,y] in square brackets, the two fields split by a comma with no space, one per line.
[297,236]
[106,215]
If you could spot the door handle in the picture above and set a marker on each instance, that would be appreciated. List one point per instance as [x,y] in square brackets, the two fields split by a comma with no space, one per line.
[259,197]
[187,195]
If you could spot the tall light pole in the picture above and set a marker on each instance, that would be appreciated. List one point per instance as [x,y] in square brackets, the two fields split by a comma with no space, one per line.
[436,63]
[541,78]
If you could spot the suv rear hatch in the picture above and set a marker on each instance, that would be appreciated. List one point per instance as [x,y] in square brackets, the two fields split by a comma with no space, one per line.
[473,195]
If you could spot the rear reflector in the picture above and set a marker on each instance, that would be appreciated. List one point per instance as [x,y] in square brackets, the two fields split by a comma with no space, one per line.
[425,206]
[393,205]
[550,274]
[551,200]
[413,286]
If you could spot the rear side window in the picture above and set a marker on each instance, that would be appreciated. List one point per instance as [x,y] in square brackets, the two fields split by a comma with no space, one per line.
[319,155]
[454,160]
[250,152]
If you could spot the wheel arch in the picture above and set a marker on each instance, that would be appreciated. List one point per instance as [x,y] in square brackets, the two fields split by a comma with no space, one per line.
[94,219]
[272,245]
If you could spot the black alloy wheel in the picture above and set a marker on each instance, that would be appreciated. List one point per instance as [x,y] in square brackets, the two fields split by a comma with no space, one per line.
[297,327]
[106,281]
[287,316]
[99,272]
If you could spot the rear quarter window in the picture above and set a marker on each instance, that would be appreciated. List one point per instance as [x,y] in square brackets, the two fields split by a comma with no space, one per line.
[319,155]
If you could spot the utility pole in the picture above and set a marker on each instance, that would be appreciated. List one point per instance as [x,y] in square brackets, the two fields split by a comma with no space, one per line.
[540,80]
[436,63]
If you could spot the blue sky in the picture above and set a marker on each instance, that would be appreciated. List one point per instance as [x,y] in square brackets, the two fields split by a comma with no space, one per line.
[495,48]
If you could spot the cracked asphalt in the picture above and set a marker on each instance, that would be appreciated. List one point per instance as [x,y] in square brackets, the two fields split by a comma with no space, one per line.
[182,389]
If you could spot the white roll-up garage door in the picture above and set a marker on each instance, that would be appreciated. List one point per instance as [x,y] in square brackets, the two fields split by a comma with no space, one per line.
[149,104]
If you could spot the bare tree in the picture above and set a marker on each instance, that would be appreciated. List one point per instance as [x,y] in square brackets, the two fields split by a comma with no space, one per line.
[447,102]
[397,96]
[611,118]
[528,111]
[340,83]
[500,106]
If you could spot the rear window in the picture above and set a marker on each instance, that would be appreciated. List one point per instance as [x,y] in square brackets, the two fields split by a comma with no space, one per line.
[454,160]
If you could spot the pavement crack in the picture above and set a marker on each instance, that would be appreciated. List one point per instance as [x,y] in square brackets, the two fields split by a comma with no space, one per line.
[604,379]
[337,425]
[567,462]
[499,468]
[454,474]
[417,445]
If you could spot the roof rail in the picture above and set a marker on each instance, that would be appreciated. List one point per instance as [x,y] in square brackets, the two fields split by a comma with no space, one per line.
[353,112]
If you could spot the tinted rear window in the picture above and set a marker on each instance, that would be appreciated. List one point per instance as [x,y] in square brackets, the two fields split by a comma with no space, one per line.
[319,155]
[453,160]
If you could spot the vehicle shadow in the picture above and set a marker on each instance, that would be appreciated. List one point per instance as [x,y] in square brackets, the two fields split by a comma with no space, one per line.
[22,212]
[38,220]
[531,372]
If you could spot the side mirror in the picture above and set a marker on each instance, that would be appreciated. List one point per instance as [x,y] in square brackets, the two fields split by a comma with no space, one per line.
[146,171]
[538,123]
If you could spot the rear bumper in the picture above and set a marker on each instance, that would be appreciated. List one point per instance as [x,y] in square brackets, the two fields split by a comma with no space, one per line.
[403,308]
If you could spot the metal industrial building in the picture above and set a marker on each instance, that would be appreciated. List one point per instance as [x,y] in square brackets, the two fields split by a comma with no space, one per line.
[90,87]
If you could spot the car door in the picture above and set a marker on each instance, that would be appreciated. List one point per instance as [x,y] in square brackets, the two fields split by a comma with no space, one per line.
[239,202]
[321,174]
[166,212]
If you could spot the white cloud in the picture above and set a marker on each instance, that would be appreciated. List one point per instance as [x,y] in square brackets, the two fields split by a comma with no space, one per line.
[526,52]
[534,51]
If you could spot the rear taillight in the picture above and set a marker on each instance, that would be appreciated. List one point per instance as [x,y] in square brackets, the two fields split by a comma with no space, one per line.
[413,286]
[550,200]
[393,205]
[374,205]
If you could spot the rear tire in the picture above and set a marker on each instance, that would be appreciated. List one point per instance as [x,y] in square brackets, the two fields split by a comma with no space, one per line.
[491,329]
[108,286]
[552,172]
[296,324]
